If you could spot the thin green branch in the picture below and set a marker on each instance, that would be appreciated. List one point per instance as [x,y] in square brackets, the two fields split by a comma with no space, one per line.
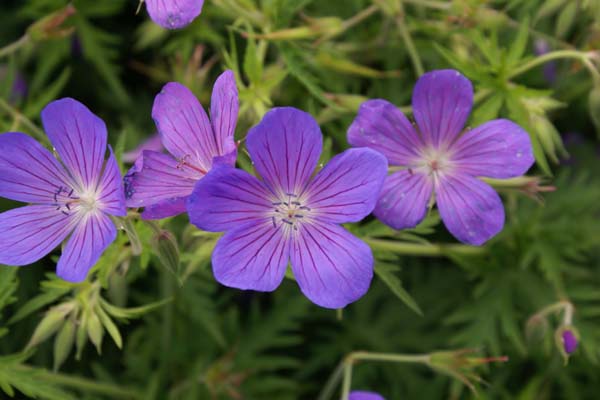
[20,118]
[584,57]
[14,46]
[420,249]
[410,46]
[332,382]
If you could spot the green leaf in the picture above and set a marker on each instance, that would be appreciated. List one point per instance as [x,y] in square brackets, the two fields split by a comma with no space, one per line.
[95,330]
[110,327]
[63,344]
[386,273]
[519,45]
[135,312]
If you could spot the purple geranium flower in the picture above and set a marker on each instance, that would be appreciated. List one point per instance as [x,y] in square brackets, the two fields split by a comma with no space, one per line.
[75,196]
[161,183]
[434,157]
[174,14]
[290,216]
[362,395]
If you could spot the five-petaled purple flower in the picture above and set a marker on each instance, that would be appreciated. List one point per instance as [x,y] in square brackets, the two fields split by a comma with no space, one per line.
[363,395]
[289,215]
[434,157]
[75,196]
[174,14]
[162,183]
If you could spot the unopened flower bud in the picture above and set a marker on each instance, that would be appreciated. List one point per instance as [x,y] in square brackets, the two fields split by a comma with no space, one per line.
[167,250]
[52,26]
[569,341]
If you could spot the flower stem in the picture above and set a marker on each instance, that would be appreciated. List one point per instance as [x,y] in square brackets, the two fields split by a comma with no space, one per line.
[83,384]
[332,382]
[17,116]
[14,46]
[408,42]
[584,57]
[420,249]
[353,357]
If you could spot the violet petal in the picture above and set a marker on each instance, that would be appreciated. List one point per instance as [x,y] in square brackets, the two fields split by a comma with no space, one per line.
[346,189]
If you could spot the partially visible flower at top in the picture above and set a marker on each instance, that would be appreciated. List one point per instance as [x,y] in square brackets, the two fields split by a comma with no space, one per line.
[290,215]
[434,157]
[174,14]
[162,183]
[153,143]
[541,47]
[362,395]
[74,197]
[18,87]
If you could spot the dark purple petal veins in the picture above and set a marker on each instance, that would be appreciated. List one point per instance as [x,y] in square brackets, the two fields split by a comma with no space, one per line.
[285,148]
[346,190]
[93,234]
[442,102]
[29,233]
[79,137]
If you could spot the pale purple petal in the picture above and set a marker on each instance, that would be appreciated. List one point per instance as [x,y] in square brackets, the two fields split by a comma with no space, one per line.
[224,107]
[252,256]
[174,14]
[442,102]
[111,194]
[161,178]
[184,127]
[285,148]
[332,267]
[165,208]
[346,190]
[569,341]
[362,395]
[29,233]
[471,210]
[227,198]
[153,143]
[93,234]
[79,137]
[496,149]
[28,172]
[403,200]
[381,126]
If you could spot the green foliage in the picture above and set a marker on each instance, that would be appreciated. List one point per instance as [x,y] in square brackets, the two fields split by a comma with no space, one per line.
[152,323]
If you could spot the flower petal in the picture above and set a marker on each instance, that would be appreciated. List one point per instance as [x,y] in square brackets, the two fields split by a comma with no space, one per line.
[161,178]
[496,149]
[79,137]
[285,148]
[165,208]
[184,127]
[224,107]
[227,198]
[332,267]
[403,200]
[91,237]
[28,172]
[442,102]
[174,14]
[362,395]
[253,256]
[153,143]
[381,126]
[471,210]
[110,188]
[29,233]
[346,190]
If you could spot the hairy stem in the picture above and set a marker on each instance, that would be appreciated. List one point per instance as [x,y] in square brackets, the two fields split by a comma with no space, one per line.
[14,46]
[584,57]
[20,118]
[420,249]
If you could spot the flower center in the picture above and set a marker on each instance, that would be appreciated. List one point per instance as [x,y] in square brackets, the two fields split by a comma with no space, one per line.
[67,201]
[289,211]
[434,163]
